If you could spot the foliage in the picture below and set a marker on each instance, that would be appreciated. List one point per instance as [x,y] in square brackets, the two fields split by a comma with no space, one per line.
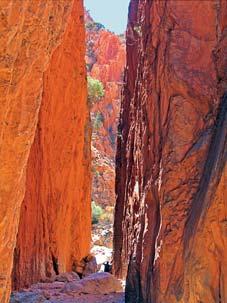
[99,26]
[95,90]
[107,216]
[94,26]
[97,212]
[97,121]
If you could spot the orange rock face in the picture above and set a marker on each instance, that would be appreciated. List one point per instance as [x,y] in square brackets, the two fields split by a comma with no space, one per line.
[55,219]
[28,37]
[170,217]
[105,60]
[30,32]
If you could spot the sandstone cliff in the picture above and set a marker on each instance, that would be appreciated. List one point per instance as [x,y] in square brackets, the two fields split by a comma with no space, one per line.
[50,228]
[105,59]
[170,218]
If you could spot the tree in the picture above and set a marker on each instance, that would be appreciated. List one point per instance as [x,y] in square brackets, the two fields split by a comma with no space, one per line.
[95,90]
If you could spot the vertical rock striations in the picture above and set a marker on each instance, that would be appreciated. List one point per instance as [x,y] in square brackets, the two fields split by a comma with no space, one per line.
[54,230]
[29,33]
[58,183]
[170,217]
[105,59]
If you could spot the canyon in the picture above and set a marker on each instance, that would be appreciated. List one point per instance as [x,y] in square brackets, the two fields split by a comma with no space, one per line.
[105,58]
[170,217]
[105,61]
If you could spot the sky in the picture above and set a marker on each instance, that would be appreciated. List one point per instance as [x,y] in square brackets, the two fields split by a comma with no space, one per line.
[113,14]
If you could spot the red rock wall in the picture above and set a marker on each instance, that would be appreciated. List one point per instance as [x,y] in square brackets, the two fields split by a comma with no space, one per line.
[170,217]
[106,57]
[55,221]
[28,36]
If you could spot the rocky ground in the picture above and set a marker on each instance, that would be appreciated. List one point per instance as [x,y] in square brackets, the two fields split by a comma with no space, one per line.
[69,288]
[94,287]
[102,241]
[102,234]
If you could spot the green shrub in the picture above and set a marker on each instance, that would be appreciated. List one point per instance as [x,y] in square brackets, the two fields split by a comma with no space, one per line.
[107,218]
[94,26]
[97,121]
[99,26]
[97,212]
[95,90]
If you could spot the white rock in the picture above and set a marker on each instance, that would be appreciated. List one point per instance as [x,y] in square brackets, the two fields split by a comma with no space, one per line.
[98,283]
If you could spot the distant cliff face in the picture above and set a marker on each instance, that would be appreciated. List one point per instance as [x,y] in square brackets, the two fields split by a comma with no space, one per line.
[57,187]
[170,217]
[105,59]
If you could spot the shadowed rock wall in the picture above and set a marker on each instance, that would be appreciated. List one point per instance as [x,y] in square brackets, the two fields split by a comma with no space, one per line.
[170,217]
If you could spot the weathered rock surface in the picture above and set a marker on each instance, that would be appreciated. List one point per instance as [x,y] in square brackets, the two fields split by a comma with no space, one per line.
[91,266]
[105,59]
[55,220]
[98,283]
[96,288]
[30,31]
[170,219]
[67,277]
[78,298]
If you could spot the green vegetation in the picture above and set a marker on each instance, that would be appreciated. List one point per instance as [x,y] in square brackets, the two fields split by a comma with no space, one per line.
[97,121]
[95,90]
[97,212]
[107,216]
[94,26]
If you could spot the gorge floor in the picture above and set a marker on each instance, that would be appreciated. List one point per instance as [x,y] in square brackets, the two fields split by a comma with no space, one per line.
[69,288]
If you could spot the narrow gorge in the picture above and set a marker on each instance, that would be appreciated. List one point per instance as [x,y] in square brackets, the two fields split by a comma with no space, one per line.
[158,113]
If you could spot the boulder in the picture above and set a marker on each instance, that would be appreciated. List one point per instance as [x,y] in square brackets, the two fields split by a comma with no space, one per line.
[43,286]
[67,277]
[27,297]
[91,266]
[98,283]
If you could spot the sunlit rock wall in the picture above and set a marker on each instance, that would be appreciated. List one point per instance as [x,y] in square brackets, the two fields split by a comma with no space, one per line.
[55,219]
[28,37]
[105,57]
[30,32]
